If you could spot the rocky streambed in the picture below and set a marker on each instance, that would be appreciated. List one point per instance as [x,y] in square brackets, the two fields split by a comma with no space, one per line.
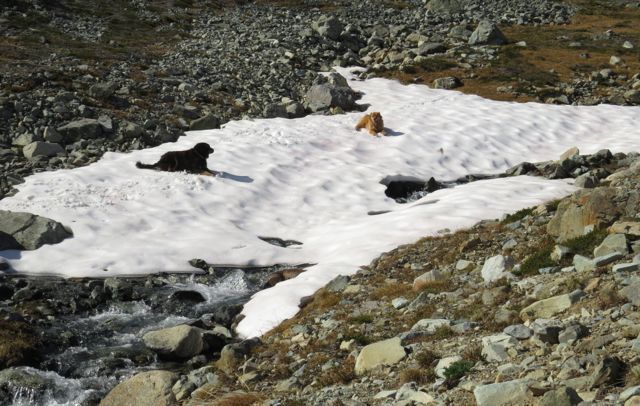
[68,342]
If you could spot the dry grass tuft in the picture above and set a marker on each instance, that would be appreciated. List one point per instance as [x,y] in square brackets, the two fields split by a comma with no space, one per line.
[391,291]
[420,376]
[342,374]
[217,398]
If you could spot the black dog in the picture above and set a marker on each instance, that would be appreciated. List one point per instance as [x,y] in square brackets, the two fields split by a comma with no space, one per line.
[193,160]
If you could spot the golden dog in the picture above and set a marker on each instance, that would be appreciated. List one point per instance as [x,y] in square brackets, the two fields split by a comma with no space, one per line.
[373,123]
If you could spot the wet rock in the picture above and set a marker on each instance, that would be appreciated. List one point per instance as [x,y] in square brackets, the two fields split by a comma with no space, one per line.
[179,342]
[151,388]
[29,231]
[188,296]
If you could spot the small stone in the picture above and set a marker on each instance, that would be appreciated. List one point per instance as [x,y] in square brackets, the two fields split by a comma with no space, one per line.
[399,302]
[495,268]
[519,331]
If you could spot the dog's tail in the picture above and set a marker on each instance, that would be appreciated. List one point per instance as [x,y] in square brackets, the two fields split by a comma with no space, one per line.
[144,166]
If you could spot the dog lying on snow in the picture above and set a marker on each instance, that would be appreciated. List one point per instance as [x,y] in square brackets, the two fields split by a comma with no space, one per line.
[193,160]
[372,122]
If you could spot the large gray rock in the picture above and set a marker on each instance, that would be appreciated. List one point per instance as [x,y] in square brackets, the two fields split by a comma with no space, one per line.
[179,342]
[586,207]
[207,122]
[39,148]
[387,352]
[330,92]
[547,308]
[102,90]
[502,394]
[563,396]
[487,33]
[86,128]
[328,26]
[612,243]
[495,268]
[494,348]
[151,388]
[26,231]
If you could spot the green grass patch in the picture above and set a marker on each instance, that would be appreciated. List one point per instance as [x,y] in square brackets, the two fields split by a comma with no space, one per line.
[540,259]
[519,215]
[585,244]
[457,370]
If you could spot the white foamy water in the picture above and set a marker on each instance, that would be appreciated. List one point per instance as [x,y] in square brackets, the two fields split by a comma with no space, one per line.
[313,180]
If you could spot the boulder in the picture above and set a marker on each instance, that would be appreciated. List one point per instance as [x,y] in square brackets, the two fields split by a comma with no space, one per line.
[86,128]
[26,231]
[563,396]
[233,354]
[206,122]
[625,227]
[586,207]
[494,348]
[426,278]
[326,93]
[487,33]
[328,26]
[102,90]
[387,352]
[495,268]
[503,394]
[612,243]
[547,308]
[152,388]
[39,148]
[448,82]
[179,342]
[429,48]
[430,326]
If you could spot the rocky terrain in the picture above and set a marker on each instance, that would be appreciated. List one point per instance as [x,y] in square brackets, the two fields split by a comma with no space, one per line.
[536,308]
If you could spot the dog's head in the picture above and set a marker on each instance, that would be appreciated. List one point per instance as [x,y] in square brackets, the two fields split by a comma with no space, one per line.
[203,149]
[376,117]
